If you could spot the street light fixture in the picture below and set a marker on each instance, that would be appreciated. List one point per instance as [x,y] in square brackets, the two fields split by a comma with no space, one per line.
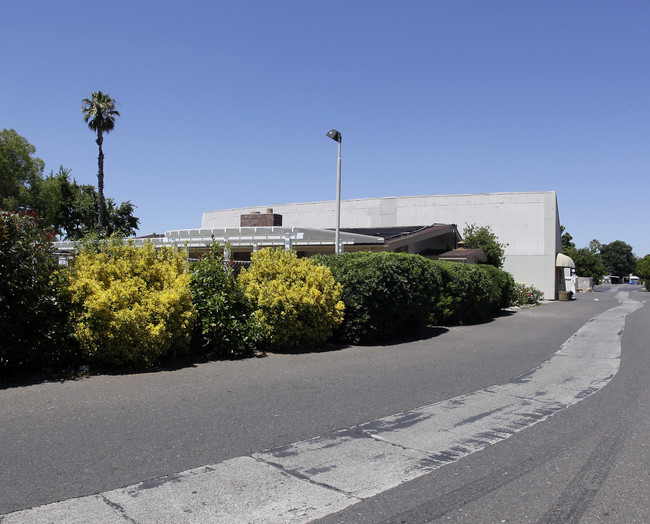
[335,135]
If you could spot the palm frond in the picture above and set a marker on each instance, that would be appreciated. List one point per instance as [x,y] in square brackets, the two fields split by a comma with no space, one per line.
[99,112]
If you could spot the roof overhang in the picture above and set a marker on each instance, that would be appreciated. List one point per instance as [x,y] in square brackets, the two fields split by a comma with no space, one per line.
[420,235]
[464,255]
[266,236]
[562,260]
[270,236]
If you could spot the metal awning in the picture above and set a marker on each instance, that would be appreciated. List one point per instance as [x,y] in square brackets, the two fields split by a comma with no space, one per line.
[563,260]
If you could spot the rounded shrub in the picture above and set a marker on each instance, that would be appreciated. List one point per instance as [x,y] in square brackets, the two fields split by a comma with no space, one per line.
[472,293]
[132,306]
[503,287]
[298,301]
[32,311]
[385,294]
[226,326]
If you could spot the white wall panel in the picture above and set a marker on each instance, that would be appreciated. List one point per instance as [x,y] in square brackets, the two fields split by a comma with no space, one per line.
[528,222]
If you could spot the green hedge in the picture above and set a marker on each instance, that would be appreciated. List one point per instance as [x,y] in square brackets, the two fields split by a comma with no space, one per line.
[472,293]
[32,307]
[385,294]
[225,325]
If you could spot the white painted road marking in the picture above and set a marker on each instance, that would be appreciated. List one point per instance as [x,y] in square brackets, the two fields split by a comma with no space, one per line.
[314,478]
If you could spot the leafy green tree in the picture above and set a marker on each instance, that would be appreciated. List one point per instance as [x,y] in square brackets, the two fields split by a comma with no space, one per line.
[99,113]
[618,258]
[587,259]
[20,170]
[567,240]
[53,197]
[120,219]
[71,209]
[643,270]
[588,263]
[81,218]
[483,238]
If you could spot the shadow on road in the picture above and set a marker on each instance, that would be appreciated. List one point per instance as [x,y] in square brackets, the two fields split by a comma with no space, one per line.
[52,375]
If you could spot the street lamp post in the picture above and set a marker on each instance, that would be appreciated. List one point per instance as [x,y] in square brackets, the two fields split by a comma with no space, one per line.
[335,135]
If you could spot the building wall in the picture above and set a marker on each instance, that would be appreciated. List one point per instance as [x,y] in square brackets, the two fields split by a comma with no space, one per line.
[528,222]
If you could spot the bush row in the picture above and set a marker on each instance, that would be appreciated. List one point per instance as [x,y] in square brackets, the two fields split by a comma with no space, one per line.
[392,294]
[115,305]
[121,306]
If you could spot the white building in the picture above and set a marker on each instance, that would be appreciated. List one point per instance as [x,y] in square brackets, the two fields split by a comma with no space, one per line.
[527,222]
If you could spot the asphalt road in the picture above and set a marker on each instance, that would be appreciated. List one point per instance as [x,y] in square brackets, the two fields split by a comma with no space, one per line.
[71,439]
[588,463]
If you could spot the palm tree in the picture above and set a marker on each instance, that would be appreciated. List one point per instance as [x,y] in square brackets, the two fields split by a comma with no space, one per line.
[99,113]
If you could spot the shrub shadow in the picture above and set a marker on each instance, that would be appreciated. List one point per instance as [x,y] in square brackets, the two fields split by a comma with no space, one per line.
[42,376]
[325,348]
[47,375]
[422,334]
[415,336]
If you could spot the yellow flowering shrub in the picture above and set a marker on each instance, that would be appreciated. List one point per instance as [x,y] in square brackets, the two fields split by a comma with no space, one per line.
[132,305]
[298,301]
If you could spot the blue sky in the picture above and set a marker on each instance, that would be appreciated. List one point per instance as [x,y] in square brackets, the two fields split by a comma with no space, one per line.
[226,104]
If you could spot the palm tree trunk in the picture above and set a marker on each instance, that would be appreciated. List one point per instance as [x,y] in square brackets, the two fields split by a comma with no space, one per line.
[101,205]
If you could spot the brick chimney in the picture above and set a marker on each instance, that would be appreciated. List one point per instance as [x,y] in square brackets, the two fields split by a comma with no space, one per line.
[255,219]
